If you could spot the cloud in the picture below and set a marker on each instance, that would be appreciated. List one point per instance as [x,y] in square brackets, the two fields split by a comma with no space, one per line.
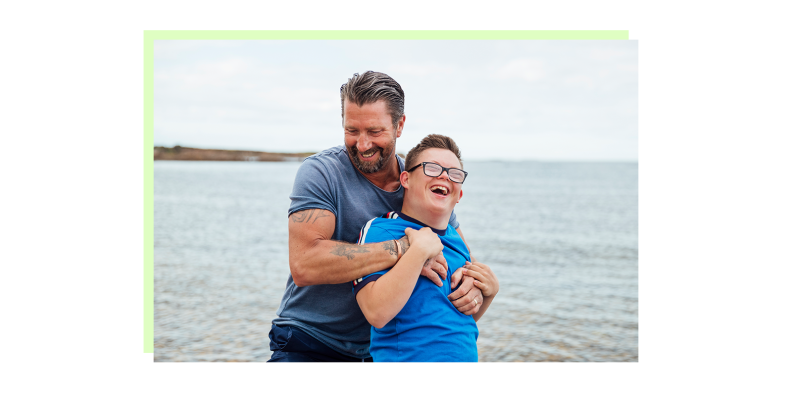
[176,49]
[528,70]
[207,73]
[301,98]
[421,70]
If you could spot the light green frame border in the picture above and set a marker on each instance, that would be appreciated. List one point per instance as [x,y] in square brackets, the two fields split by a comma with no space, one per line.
[150,36]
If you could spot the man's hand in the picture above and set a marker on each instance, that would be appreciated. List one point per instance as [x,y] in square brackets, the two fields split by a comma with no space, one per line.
[435,268]
[484,277]
[467,298]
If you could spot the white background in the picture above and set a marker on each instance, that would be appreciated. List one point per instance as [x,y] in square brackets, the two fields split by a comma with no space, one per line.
[714,196]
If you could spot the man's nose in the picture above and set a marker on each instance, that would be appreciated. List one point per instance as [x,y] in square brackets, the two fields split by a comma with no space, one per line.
[364,143]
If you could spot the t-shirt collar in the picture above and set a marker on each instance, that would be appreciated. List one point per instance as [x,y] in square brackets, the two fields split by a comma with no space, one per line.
[418,222]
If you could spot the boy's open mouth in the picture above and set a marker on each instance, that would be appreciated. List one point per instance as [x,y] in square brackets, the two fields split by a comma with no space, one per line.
[439,190]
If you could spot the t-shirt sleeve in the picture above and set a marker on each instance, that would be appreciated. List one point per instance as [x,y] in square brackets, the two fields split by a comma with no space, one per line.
[371,233]
[313,188]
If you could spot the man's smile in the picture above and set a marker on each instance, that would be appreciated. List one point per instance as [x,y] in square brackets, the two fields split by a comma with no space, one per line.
[369,154]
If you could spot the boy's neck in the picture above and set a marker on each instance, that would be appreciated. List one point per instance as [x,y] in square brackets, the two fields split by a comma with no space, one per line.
[437,221]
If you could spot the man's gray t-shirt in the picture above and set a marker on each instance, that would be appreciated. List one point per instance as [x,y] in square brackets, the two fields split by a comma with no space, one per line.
[330,313]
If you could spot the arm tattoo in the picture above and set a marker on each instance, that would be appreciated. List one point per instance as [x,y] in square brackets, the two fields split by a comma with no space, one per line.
[404,243]
[349,250]
[322,213]
[302,216]
[305,216]
[390,247]
[428,263]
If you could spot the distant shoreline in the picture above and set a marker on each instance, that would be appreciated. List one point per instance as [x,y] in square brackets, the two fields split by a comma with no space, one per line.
[195,154]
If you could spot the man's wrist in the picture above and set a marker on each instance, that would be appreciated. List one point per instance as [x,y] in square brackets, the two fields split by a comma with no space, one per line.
[404,244]
[399,252]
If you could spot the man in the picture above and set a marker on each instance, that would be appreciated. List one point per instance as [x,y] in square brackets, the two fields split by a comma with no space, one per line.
[335,192]
[411,318]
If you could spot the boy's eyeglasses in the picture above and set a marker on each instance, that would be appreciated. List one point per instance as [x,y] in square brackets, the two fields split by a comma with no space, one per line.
[435,170]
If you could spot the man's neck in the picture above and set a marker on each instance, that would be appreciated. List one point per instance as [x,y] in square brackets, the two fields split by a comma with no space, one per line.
[387,178]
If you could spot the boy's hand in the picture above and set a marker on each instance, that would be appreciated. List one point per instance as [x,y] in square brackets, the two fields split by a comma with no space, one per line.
[425,241]
[435,267]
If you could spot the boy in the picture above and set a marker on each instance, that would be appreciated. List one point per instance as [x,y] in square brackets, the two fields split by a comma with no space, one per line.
[412,319]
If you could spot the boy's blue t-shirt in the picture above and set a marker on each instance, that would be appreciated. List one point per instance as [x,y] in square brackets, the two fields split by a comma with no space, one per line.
[429,327]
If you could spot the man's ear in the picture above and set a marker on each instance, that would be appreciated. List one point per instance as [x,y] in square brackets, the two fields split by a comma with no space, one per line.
[400,125]
[403,177]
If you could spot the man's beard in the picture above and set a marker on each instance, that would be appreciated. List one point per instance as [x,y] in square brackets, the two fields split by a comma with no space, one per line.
[369,167]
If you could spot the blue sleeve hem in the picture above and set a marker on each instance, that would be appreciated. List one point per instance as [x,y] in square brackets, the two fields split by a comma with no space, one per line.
[362,282]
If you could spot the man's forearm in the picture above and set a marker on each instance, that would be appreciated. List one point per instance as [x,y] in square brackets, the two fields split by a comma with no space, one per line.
[484,305]
[332,262]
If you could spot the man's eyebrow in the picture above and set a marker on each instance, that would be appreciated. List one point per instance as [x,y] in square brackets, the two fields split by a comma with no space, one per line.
[367,128]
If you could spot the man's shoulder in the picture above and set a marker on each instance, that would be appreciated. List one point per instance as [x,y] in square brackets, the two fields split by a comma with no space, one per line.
[329,161]
[334,154]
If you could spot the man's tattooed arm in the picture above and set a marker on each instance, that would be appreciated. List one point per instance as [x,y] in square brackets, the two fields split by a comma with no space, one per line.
[315,258]
[390,247]
[349,250]
[404,244]
[428,263]
[307,215]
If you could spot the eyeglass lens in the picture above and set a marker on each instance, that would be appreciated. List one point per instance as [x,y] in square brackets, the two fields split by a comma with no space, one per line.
[454,174]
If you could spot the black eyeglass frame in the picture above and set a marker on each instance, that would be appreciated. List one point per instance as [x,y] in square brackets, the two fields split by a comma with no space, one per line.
[441,171]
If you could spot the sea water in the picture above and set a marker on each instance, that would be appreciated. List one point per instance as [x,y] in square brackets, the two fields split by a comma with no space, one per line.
[562,239]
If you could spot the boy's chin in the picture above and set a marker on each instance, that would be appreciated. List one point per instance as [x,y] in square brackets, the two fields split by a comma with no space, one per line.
[441,209]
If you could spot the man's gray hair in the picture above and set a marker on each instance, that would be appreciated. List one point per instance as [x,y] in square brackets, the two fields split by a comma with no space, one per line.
[371,87]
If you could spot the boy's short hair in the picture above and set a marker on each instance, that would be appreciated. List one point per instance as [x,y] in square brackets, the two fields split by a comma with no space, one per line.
[431,141]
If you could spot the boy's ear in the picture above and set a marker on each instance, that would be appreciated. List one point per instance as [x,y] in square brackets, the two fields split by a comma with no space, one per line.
[460,196]
[403,177]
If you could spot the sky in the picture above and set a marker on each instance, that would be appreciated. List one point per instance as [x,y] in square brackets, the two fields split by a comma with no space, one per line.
[499,100]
